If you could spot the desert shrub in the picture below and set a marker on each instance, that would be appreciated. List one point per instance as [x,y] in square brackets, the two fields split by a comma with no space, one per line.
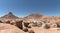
[47,26]
[25,30]
[31,31]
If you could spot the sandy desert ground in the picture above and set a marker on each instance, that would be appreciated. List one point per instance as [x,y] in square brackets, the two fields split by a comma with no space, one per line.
[7,28]
[42,30]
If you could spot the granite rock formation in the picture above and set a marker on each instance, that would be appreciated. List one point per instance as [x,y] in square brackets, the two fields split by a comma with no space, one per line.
[34,23]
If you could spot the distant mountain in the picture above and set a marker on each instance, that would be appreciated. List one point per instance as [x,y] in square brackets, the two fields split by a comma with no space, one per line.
[32,17]
[10,16]
[42,18]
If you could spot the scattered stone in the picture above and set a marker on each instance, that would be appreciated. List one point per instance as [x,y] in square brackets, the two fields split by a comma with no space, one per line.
[26,24]
[25,30]
[31,31]
[47,26]
[8,22]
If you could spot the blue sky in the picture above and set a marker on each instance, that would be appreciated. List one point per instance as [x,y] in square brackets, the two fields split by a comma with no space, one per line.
[23,8]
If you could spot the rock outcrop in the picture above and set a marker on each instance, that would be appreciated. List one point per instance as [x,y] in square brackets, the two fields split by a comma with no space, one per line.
[32,23]
[7,28]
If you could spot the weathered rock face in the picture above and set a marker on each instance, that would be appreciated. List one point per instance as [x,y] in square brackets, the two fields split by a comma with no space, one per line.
[19,25]
[7,28]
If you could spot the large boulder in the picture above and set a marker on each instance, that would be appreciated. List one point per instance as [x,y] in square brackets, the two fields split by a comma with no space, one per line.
[7,28]
[19,25]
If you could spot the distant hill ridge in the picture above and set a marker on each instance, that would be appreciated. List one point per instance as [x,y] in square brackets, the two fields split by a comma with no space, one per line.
[31,17]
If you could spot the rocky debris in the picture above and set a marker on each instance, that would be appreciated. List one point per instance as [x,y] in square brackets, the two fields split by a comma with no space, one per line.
[47,26]
[8,22]
[26,24]
[25,29]
[31,31]
[36,24]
